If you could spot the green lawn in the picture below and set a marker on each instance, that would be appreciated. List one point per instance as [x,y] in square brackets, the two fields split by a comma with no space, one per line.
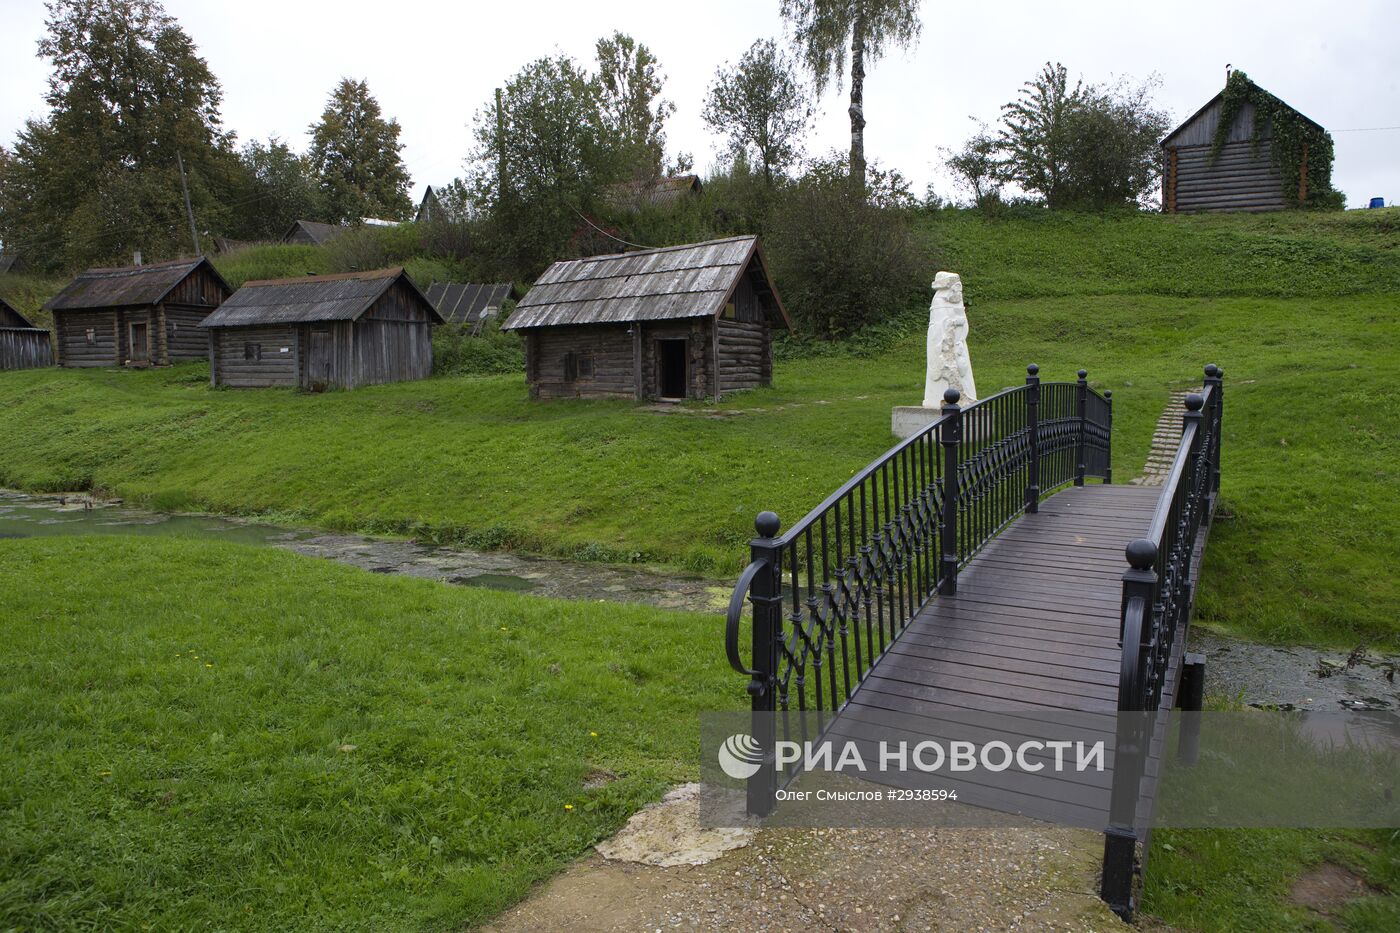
[1310,476]
[141,785]
[1227,881]
[208,735]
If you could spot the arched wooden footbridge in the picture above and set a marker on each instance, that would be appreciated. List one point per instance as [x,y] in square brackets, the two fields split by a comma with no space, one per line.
[976,566]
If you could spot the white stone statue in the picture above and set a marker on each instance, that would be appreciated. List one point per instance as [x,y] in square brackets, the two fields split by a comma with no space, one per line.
[949,366]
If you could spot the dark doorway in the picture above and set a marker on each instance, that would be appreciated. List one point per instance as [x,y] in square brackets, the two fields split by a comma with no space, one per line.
[140,347]
[318,363]
[670,368]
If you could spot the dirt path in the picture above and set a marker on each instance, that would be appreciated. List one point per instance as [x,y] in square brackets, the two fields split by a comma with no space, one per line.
[839,879]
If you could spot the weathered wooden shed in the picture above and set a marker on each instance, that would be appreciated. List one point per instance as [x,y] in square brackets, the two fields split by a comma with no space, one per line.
[1243,175]
[22,345]
[469,304]
[682,322]
[317,332]
[136,315]
[312,233]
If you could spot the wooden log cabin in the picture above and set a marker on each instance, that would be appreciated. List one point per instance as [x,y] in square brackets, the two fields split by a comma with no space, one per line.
[137,315]
[22,345]
[684,322]
[324,331]
[1242,176]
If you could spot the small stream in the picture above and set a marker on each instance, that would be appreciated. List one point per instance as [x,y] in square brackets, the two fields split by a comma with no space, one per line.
[28,516]
[1261,675]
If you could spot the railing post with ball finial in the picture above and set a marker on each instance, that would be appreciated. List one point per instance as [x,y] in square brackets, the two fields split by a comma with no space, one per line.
[1108,443]
[766,596]
[1033,434]
[1136,639]
[1083,400]
[950,436]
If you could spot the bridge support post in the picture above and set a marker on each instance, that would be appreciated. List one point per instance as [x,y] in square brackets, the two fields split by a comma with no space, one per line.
[1190,698]
[1033,432]
[950,437]
[1108,447]
[1083,405]
[766,595]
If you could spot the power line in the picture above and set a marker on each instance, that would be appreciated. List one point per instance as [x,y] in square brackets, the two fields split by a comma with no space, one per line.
[1368,129]
[606,233]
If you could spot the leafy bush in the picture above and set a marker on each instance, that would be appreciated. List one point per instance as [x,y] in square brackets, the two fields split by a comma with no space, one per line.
[373,247]
[841,262]
[457,353]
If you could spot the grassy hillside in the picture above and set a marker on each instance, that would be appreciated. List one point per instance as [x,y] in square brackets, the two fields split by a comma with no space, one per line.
[1141,301]
[277,742]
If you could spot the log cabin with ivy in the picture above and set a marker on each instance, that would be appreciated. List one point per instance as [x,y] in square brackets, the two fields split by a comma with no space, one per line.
[682,322]
[1247,150]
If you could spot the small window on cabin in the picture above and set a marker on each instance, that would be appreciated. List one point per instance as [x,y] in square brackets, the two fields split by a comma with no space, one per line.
[730,311]
[252,351]
[91,336]
[585,365]
[174,327]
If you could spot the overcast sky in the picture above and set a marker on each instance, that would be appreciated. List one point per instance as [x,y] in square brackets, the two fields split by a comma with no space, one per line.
[432,65]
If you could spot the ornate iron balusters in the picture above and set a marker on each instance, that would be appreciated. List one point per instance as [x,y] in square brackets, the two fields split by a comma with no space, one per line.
[833,593]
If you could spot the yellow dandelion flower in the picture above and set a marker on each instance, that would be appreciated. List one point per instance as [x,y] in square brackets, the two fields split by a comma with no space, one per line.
[568,806]
[594,734]
[208,664]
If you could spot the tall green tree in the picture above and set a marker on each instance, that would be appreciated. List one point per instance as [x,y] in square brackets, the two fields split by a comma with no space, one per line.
[761,108]
[1036,133]
[355,150]
[823,30]
[1082,145]
[542,156]
[97,177]
[634,113]
[282,188]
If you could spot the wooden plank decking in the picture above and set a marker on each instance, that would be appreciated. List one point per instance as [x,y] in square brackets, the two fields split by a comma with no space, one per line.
[1034,627]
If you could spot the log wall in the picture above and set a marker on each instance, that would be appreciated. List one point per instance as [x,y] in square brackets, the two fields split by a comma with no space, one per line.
[184,338]
[86,338]
[607,348]
[1240,179]
[745,355]
[249,357]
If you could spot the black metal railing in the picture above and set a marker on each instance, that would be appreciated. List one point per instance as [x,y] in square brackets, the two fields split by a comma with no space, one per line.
[832,593]
[1158,590]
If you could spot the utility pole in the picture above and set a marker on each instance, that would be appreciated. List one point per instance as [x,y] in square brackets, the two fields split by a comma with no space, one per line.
[501,174]
[189,211]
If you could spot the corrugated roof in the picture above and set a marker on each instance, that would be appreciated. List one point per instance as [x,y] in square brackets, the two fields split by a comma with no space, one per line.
[467,303]
[673,283]
[317,232]
[127,285]
[310,298]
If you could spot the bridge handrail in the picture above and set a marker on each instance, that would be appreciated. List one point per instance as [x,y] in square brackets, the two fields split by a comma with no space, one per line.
[1158,591]
[858,568]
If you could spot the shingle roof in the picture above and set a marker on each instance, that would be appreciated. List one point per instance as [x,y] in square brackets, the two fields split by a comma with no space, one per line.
[467,303]
[659,191]
[673,283]
[127,285]
[317,232]
[311,298]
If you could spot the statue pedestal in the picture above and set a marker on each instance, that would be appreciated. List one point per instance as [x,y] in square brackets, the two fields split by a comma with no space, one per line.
[907,420]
